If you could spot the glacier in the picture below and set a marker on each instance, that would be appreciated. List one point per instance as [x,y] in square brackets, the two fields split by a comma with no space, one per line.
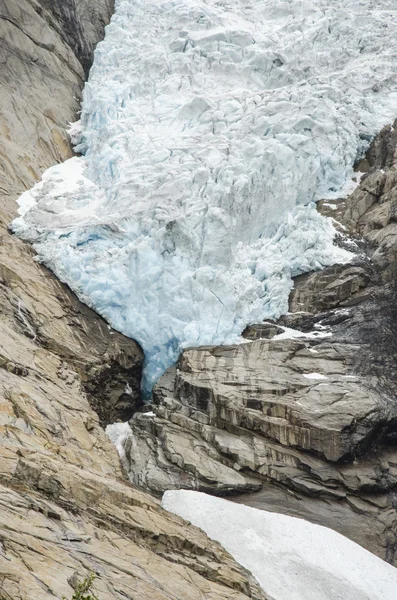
[291,558]
[208,130]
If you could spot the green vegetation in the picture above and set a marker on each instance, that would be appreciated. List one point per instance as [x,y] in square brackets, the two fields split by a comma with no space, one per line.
[83,589]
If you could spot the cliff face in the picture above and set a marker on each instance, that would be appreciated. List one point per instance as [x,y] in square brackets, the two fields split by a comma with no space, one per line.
[79,24]
[65,508]
[45,49]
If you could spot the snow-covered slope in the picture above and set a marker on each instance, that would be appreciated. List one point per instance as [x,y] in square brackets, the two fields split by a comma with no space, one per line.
[291,558]
[208,128]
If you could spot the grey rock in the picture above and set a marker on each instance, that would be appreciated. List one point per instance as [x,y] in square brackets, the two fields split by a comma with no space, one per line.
[45,50]
[382,153]
[261,331]
[335,287]
[80,24]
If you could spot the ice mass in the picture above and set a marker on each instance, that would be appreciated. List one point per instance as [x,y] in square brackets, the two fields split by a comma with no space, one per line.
[208,130]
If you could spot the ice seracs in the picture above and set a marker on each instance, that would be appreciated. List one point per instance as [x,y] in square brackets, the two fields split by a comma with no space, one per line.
[208,129]
[292,559]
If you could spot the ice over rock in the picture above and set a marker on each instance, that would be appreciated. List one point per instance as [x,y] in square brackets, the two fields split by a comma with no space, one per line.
[208,129]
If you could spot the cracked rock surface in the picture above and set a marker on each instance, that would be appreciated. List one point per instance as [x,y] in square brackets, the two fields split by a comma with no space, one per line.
[305,426]
[65,506]
[46,47]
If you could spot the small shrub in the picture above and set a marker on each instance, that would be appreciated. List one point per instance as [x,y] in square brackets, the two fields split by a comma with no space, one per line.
[83,589]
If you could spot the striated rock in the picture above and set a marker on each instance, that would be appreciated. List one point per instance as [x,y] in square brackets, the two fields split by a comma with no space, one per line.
[64,504]
[338,286]
[37,307]
[45,49]
[382,154]
[289,391]
[286,413]
[65,509]
[309,414]
[261,331]
[372,207]
[80,24]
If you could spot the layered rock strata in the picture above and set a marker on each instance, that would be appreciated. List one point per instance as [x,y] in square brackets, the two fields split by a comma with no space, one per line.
[303,422]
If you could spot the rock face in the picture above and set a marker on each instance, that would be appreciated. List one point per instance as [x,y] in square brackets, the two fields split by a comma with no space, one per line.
[80,24]
[65,508]
[302,425]
[46,47]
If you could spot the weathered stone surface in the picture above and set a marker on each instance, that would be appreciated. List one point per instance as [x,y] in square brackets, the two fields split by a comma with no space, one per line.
[340,285]
[261,331]
[310,419]
[383,151]
[65,508]
[36,306]
[64,504]
[45,47]
[373,205]
[300,395]
[80,24]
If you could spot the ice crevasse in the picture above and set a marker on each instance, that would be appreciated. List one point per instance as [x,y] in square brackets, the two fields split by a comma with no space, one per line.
[208,129]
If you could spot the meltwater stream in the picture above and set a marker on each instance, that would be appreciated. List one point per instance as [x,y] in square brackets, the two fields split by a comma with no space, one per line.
[208,128]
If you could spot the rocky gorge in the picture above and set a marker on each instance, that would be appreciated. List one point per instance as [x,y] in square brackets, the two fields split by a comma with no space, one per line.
[299,419]
[66,507]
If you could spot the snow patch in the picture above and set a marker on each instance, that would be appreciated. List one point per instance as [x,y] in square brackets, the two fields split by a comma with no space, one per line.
[331,206]
[290,334]
[292,559]
[314,376]
[118,434]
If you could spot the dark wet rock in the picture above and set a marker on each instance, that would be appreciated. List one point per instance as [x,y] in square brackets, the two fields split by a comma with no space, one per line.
[80,24]
[261,331]
[382,154]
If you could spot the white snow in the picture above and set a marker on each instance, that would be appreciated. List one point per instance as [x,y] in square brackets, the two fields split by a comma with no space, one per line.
[290,334]
[331,206]
[208,129]
[314,376]
[118,434]
[291,558]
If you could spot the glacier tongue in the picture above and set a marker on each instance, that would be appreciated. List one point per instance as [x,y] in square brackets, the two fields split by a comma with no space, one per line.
[207,131]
